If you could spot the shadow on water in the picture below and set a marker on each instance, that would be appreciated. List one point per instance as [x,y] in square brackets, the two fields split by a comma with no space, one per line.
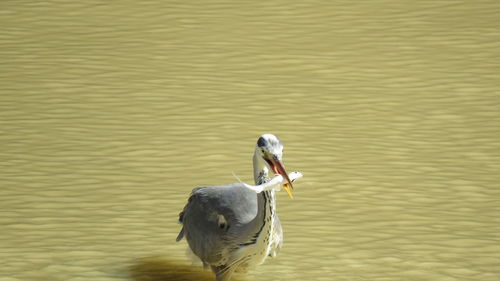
[164,269]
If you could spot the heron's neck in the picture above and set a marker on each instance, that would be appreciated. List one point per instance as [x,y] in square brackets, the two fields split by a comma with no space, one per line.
[267,200]
[260,170]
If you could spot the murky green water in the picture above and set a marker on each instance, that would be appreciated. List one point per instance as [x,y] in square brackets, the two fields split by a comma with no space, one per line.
[111,112]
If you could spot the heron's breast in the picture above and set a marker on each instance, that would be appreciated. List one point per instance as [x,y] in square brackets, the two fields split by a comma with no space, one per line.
[258,248]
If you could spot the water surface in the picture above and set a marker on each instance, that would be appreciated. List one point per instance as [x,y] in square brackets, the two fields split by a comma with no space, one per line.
[110,113]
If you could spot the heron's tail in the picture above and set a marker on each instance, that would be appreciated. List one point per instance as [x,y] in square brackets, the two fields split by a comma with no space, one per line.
[181,221]
[181,235]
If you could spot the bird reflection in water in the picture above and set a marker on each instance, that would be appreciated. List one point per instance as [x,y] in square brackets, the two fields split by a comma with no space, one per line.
[165,269]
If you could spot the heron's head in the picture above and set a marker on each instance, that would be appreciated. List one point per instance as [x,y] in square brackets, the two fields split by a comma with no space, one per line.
[269,157]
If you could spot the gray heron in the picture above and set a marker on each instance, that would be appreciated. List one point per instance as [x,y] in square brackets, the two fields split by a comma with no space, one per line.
[234,227]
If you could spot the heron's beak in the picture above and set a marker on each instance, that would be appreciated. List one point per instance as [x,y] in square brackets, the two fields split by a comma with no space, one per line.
[279,169]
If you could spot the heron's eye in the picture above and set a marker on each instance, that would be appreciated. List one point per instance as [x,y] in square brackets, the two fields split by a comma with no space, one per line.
[261,142]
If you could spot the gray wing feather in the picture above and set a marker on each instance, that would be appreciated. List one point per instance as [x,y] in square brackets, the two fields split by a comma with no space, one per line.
[208,239]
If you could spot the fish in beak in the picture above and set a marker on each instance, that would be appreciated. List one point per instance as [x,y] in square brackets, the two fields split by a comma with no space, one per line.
[279,169]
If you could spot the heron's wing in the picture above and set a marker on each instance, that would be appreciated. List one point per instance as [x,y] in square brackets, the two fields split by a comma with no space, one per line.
[217,219]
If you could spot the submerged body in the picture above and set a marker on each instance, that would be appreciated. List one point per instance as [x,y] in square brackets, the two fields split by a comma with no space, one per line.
[235,227]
